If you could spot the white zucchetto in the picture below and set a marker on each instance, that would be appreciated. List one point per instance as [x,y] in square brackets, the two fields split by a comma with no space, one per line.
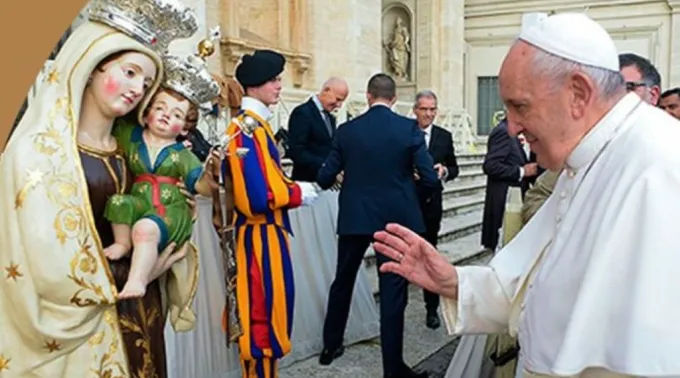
[572,36]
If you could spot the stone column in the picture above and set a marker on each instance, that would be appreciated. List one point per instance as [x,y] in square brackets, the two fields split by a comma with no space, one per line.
[299,28]
[285,24]
[452,45]
[674,63]
[229,17]
[440,51]
[427,13]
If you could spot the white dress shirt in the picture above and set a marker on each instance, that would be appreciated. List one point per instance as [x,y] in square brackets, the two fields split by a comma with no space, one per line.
[428,135]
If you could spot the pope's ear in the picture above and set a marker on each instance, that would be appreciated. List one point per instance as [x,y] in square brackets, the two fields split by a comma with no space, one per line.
[583,91]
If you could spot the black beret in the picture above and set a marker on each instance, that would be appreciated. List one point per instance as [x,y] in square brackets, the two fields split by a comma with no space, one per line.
[259,68]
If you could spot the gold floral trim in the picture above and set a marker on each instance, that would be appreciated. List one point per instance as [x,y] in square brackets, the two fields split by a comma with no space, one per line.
[108,363]
[147,320]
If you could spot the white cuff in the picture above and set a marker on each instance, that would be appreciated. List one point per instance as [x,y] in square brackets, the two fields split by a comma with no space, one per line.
[309,192]
[481,306]
[521,173]
[451,310]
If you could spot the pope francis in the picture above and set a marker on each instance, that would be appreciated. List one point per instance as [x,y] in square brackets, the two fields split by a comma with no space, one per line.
[590,285]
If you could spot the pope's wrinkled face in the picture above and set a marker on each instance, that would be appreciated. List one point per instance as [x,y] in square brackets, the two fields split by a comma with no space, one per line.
[549,113]
[167,114]
[119,84]
[269,92]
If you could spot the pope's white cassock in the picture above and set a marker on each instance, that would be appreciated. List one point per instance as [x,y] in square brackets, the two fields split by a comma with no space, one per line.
[591,285]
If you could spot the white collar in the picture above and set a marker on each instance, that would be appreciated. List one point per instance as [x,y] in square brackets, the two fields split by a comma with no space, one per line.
[256,106]
[591,144]
[317,102]
[427,130]
[381,104]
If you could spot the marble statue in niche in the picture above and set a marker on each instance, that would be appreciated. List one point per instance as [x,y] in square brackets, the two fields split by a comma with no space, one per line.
[399,49]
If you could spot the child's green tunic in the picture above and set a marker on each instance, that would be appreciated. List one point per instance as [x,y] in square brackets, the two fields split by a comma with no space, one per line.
[154,194]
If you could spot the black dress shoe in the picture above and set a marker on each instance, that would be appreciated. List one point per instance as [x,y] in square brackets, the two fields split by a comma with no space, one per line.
[432,321]
[407,372]
[328,355]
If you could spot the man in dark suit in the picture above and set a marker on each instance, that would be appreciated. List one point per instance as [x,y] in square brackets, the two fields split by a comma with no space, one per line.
[439,144]
[506,164]
[380,152]
[311,128]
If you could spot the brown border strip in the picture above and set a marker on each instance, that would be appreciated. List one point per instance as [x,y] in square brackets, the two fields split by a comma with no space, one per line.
[28,32]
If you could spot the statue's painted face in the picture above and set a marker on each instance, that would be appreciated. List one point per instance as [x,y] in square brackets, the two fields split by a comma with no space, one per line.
[119,84]
[167,115]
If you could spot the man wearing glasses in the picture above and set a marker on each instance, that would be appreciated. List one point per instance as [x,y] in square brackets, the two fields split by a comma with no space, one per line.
[440,146]
[641,77]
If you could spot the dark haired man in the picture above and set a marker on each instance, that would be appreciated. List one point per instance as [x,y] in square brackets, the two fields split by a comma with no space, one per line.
[641,77]
[378,151]
[670,102]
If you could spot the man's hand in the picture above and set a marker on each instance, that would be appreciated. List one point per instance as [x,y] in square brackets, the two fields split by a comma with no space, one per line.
[338,181]
[441,170]
[530,170]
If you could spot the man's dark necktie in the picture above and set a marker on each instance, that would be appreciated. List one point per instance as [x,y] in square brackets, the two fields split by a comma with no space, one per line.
[327,120]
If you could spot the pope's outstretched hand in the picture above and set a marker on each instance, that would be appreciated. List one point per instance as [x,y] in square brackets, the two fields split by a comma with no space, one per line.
[416,260]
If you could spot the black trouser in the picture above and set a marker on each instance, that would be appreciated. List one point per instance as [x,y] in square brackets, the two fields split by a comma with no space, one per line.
[431,235]
[393,298]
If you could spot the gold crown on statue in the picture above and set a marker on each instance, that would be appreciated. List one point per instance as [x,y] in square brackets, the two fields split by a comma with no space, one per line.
[189,75]
[154,23]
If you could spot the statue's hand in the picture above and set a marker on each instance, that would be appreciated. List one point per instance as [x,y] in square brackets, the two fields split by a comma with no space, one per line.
[167,258]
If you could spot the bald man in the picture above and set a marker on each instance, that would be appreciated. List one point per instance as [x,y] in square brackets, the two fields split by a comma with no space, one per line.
[311,128]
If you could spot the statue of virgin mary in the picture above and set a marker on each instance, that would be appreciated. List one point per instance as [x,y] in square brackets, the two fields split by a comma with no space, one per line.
[59,311]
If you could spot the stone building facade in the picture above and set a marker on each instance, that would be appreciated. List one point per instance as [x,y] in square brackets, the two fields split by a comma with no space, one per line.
[650,28]
[453,47]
